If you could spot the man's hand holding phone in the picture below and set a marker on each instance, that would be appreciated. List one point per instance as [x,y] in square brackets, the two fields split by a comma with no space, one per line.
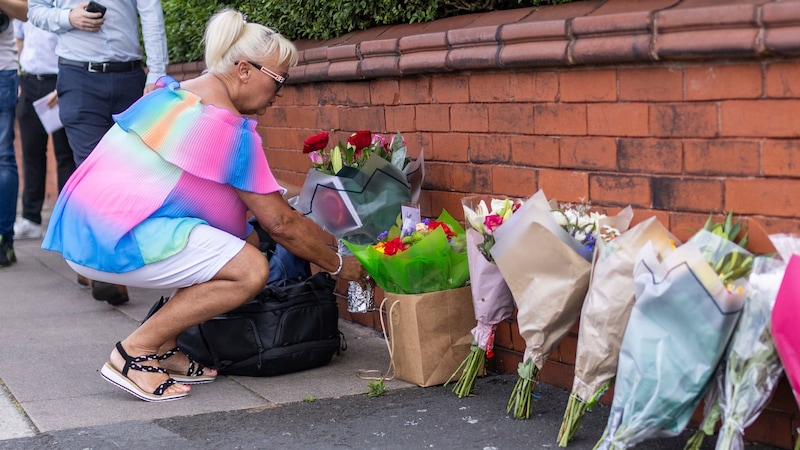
[87,16]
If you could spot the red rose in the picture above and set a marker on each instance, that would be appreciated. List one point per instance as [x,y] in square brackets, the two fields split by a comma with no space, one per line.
[361,139]
[316,142]
[394,246]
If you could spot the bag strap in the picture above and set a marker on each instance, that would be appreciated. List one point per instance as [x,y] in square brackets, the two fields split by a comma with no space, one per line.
[365,374]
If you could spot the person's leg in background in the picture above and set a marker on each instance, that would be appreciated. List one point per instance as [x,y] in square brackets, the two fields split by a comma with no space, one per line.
[86,102]
[65,163]
[9,176]
[33,139]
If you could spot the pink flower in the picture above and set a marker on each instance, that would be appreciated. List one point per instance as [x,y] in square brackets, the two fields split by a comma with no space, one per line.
[491,222]
[316,158]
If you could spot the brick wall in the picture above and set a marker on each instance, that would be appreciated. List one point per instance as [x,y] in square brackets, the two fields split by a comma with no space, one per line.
[679,108]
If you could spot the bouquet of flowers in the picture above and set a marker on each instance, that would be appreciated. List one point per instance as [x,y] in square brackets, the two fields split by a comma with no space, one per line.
[355,189]
[491,297]
[687,304]
[418,257]
[543,252]
[784,329]
[604,316]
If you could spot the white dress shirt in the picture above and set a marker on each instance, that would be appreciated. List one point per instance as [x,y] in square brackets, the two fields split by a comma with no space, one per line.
[38,49]
[118,38]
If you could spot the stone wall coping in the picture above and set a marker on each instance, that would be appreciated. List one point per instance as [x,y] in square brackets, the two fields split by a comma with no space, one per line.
[568,35]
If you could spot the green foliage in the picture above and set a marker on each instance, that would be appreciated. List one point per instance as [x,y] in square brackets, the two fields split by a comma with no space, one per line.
[314,19]
[376,388]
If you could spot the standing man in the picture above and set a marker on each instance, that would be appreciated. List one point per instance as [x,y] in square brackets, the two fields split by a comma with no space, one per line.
[9,83]
[100,71]
[38,71]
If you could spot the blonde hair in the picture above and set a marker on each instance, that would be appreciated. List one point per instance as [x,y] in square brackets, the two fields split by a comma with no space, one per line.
[230,38]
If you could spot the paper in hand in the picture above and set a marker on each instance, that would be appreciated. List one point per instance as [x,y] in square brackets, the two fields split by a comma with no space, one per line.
[48,116]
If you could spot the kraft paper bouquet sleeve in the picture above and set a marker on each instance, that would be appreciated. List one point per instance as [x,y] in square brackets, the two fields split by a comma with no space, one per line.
[547,269]
[677,332]
[604,317]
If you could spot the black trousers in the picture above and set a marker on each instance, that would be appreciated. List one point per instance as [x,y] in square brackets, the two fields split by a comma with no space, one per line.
[33,139]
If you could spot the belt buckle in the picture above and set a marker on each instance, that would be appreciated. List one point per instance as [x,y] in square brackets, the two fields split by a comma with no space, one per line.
[103,67]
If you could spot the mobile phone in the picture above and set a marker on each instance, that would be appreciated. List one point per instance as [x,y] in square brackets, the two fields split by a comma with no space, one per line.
[96,7]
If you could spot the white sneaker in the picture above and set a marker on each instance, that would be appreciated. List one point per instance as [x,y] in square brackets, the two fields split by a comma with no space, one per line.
[25,229]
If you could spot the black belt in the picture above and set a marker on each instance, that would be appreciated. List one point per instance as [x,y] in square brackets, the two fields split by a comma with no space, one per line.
[104,67]
[40,77]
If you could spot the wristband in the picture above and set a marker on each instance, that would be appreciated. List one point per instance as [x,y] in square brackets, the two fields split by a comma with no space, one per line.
[341,263]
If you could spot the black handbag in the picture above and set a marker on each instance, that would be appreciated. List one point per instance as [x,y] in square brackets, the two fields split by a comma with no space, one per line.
[283,329]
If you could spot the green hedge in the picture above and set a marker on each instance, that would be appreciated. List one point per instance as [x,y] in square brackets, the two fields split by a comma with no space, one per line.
[314,19]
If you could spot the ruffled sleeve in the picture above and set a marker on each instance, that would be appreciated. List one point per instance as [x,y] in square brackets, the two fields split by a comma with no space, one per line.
[206,141]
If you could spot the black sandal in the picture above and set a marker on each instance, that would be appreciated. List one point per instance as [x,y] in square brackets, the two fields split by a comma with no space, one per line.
[121,379]
[195,374]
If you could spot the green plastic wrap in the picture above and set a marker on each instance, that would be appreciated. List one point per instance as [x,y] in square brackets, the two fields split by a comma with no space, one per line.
[432,264]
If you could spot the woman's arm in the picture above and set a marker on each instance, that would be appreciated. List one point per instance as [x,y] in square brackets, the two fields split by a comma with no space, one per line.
[298,234]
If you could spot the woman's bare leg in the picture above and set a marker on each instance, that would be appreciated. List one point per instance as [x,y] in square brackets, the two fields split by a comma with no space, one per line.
[237,282]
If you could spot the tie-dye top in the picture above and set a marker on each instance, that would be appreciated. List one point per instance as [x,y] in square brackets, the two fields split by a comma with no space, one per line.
[168,164]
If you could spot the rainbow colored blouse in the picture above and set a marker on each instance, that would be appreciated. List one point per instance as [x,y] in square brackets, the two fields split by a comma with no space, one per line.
[168,164]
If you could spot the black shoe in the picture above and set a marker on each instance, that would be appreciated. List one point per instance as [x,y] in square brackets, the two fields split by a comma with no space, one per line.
[7,255]
[111,293]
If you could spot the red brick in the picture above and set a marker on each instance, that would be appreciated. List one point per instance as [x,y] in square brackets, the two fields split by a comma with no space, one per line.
[449,147]
[513,181]
[761,118]
[511,118]
[723,82]
[684,225]
[384,92]
[534,87]
[642,214]
[557,374]
[683,120]
[770,197]
[773,428]
[783,79]
[470,178]
[619,190]
[617,119]
[563,185]
[414,91]
[502,335]
[362,119]
[489,87]
[470,117]
[687,194]
[650,155]
[722,157]
[781,158]
[596,153]
[560,119]
[780,225]
[400,118]
[433,117]
[328,117]
[448,201]
[650,84]
[450,89]
[566,350]
[588,86]
[438,175]
[536,151]
[489,148]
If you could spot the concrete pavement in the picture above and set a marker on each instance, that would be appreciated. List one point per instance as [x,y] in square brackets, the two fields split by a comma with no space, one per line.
[54,338]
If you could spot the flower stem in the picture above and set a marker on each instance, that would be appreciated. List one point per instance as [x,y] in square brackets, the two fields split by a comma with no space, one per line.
[519,404]
[573,415]
[472,365]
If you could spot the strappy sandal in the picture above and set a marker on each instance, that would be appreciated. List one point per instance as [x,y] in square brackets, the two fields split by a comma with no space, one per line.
[196,373]
[121,378]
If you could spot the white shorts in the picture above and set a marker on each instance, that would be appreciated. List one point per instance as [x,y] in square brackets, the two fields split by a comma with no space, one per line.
[207,251]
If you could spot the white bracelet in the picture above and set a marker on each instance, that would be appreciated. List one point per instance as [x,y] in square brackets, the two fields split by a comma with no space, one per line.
[341,263]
